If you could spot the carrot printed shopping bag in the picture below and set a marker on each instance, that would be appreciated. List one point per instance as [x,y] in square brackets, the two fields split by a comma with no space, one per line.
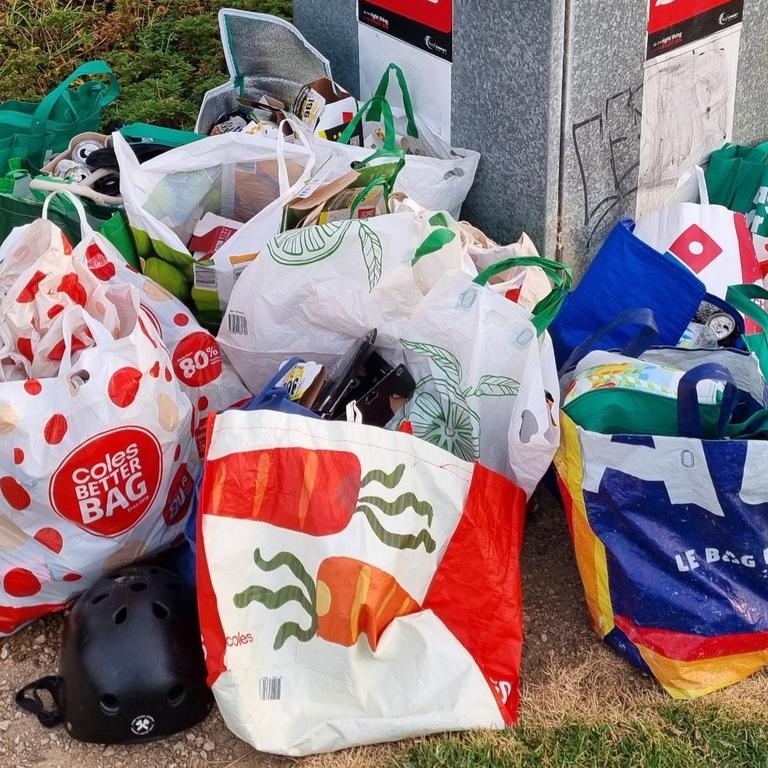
[346,588]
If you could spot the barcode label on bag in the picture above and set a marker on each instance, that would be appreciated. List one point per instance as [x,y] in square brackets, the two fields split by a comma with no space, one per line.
[270,688]
[238,324]
[205,278]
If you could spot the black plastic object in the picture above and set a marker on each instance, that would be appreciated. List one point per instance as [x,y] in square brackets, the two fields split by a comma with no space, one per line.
[106,158]
[131,666]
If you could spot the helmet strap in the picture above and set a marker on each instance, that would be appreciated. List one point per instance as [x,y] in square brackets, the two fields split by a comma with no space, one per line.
[28,698]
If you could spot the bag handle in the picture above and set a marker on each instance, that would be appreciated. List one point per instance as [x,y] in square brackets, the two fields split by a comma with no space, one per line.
[389,149]
[641,342]
[688,411]
[742,298]
[755,426]
[82,189]
[282,168]
[36,146]
[101,337]
[85,228]
[701,180]
[560,275]
[375,113]
[379,181]
[28,699]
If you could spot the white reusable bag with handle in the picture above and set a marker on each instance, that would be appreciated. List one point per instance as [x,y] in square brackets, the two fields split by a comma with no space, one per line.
[435,175]
[241,177]
[487,386]
[313,292]
[713,242]
[95,460]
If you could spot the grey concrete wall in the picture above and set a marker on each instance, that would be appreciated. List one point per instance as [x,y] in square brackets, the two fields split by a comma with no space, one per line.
[507,78]
[331,26]
[751,123]
[602,108]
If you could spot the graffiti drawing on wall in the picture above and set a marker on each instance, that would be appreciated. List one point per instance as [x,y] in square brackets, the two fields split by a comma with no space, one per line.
[607,146]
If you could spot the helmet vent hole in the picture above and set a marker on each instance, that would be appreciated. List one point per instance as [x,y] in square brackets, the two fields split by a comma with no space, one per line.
[99,598]
[160,610]
[176,695]
[109,704]
[138,586]
[121,615]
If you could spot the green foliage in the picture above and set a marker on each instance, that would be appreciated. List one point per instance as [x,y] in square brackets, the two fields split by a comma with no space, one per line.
[166,53]
[675,736]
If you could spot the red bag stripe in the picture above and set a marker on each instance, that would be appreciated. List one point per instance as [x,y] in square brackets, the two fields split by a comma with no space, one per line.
[477,590]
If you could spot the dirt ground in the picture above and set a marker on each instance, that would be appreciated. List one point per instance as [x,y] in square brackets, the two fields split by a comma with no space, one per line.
[567,673]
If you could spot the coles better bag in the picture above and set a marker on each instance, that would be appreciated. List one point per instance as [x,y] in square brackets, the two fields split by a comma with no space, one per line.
[346,590]
[95,460]
[205,374]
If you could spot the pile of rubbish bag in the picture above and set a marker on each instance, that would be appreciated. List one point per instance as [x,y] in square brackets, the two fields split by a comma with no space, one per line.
[262,377]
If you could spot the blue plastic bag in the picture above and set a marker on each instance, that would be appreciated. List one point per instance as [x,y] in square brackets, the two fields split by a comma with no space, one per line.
[627,273]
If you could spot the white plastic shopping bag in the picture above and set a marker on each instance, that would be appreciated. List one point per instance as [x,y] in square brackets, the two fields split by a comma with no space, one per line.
[347,593]
[95,460]
[314,291]
[435,175]
[487,385]
[241,177]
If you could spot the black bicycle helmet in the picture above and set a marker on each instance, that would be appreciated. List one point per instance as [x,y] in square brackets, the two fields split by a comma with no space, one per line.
[131,666]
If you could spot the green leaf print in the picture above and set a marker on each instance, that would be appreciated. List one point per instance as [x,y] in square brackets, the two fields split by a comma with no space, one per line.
[372,253]
[306,246]
[446,361]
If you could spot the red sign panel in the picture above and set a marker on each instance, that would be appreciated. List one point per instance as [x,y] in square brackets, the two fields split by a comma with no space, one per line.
[667,13]
[435,14]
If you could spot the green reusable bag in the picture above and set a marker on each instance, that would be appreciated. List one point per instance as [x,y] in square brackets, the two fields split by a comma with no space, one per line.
[742,298]
[29,130]
[613,394]
[116,230]
[159,134]
[20,206]
[737,178]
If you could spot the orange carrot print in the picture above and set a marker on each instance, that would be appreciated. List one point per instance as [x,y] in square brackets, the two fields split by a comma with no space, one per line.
[349,598]
[316,492]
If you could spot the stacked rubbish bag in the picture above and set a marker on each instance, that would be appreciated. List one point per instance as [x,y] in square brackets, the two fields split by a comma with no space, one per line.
[261,385]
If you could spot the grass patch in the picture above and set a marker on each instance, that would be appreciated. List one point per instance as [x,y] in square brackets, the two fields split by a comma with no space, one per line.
[676,735]
[165,53]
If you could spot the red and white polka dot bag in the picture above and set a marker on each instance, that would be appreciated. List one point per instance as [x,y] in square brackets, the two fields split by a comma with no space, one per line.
[94,460]
[206,376]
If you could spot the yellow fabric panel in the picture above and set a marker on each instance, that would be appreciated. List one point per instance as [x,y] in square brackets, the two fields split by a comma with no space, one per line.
[692,679]
[589,550]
